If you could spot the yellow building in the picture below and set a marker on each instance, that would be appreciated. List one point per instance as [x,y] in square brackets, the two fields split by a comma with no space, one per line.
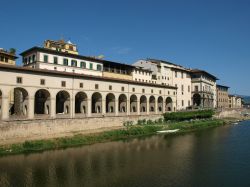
[7,57]
[61,46]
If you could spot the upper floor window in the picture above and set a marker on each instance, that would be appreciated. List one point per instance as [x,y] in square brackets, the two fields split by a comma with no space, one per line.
[196,88]
[33,58]
[55,60]
[73,63]
[182,75]
[90,66]
[83,65]
[19,80]
[99,67]
[45,58]
[65,62]
[176,74]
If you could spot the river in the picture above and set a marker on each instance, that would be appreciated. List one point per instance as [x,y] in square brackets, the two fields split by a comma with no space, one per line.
[208,158]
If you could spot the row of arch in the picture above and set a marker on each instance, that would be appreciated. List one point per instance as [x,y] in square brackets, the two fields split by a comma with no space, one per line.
[19,105]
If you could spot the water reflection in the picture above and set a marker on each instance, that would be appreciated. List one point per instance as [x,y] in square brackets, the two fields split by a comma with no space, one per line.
[185,160]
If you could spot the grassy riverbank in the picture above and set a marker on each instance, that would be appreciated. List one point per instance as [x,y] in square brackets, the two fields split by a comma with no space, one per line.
[129,131]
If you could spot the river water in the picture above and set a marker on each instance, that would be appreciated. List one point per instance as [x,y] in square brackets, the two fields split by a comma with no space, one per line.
[213,157]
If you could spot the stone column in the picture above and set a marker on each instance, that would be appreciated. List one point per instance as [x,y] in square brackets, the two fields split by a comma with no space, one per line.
[128,107]
[31,107]
[138,107]
[72,108]
[116,107]
[5,107]
[156,106]
[89,111]
[53,107]
[164,106]
[147,106]
[103,106]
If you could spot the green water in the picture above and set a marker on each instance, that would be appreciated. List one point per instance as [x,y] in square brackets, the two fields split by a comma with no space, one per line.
[208,158]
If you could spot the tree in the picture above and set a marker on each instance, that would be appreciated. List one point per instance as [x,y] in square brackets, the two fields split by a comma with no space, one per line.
[12,51]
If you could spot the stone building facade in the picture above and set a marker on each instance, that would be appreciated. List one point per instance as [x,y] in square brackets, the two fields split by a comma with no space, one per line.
[222,96]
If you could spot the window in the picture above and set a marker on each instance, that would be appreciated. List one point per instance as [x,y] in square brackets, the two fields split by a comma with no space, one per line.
[159,91]
[33,58]
[19,80]
[123,89]
[99,67]
[182,87]
[152,91]
[96,86]
[188,88]
[63,84]
[65,62]
[188,102]
[73,63]
[42,82]
[176,74]
[45,58]
[110,87]
[29,59]
[196,88]
[182,102]
[90,66]
[133,89]
[81,85]
[143,90]
[55,60]
[83,65]
[182,75]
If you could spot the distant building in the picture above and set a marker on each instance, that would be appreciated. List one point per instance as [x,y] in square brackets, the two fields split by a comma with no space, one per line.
[235,101]
[7,57]
[61,46]
[222,96]
[203,89]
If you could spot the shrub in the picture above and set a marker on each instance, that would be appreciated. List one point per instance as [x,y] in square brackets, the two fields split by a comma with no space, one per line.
[182,116]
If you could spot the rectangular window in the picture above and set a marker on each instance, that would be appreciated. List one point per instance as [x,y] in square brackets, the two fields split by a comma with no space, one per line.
[45,58]
[182,88]
[55,60]
[99,67]
[83,65]
[133,89]
[96,86]
[143,90]
[73,63]
[152,91]
[123,89]
[176,74]
[182,102]
[188,88]
[19,80]
[110,87]
[196,88]
[42,82]
[90,66]
[65,62]
[63,84]
[159,91]
[33,58]
[81,85]
[182,75]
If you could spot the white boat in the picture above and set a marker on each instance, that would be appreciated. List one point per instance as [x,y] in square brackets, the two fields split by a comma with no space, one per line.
[168,131]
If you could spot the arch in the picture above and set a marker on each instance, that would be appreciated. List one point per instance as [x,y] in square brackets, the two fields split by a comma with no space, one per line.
[169,104]
[96,101]
[133,103]
[196,99]
[160,104]
[62,102]
[42,102]
[122,103]
[110,103]
[152,104]
[143,103]
[81,103]
[18,102]
[0,104]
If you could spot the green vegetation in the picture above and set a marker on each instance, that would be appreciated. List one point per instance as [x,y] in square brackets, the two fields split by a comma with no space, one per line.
[190,115]
[142,128]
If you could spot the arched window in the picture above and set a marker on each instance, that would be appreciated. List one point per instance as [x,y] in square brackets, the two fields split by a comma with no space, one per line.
[83,65]
[73,63]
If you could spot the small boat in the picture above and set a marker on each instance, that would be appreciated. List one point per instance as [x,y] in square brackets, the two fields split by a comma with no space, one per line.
[168,131]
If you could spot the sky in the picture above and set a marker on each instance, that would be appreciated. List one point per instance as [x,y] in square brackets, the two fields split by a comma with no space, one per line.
[213,35]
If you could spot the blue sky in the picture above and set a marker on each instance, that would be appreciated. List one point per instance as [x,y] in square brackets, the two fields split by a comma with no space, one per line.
[213,35]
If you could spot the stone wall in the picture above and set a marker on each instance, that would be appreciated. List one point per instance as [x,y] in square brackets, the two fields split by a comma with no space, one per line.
[21,130]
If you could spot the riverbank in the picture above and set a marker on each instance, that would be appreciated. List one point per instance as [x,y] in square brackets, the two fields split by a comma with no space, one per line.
[129,131]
